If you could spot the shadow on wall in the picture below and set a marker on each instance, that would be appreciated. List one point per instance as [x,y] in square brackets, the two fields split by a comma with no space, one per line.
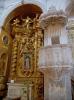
[72,82]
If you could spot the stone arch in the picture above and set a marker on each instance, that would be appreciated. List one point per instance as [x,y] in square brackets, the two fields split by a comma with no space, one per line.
[12,7]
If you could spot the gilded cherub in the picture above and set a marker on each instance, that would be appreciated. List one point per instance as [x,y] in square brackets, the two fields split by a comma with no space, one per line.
[36,22]
[27,22]
[16,22]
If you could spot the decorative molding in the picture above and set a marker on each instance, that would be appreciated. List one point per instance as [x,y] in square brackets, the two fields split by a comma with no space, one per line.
[13,6]
[70,25]
[52,16]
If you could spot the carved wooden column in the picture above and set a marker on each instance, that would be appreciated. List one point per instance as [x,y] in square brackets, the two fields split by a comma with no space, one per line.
[14,58]
[55,58]
[4,46]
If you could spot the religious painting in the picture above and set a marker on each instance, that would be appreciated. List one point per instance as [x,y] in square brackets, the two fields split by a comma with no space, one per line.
[27,61]
[5,40]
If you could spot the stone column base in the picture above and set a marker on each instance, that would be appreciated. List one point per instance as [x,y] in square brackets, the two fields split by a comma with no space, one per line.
[57,89]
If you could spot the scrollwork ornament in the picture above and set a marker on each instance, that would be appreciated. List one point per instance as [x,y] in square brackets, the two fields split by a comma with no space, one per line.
[25,48]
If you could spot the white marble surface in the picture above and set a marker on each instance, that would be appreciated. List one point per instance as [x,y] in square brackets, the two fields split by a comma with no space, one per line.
[18,90]
[54,56]
[57,89]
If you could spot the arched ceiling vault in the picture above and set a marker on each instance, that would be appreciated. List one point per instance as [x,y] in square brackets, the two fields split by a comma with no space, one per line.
[22,11]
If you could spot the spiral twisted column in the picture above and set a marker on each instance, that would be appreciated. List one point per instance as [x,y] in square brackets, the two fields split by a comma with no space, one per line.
[14,59]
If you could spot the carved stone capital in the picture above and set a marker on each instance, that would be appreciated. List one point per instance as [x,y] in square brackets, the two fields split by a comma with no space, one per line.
[70,25]
[52,16]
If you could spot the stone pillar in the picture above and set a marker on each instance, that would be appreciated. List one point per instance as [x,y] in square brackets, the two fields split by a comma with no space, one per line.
[57,88]
[55,58]
[70,28]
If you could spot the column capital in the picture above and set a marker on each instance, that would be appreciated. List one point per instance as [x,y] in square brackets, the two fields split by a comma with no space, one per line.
[70,24]
[52,16]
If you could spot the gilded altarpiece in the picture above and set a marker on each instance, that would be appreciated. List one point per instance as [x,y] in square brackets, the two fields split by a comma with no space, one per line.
[4,45]
[28,38]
